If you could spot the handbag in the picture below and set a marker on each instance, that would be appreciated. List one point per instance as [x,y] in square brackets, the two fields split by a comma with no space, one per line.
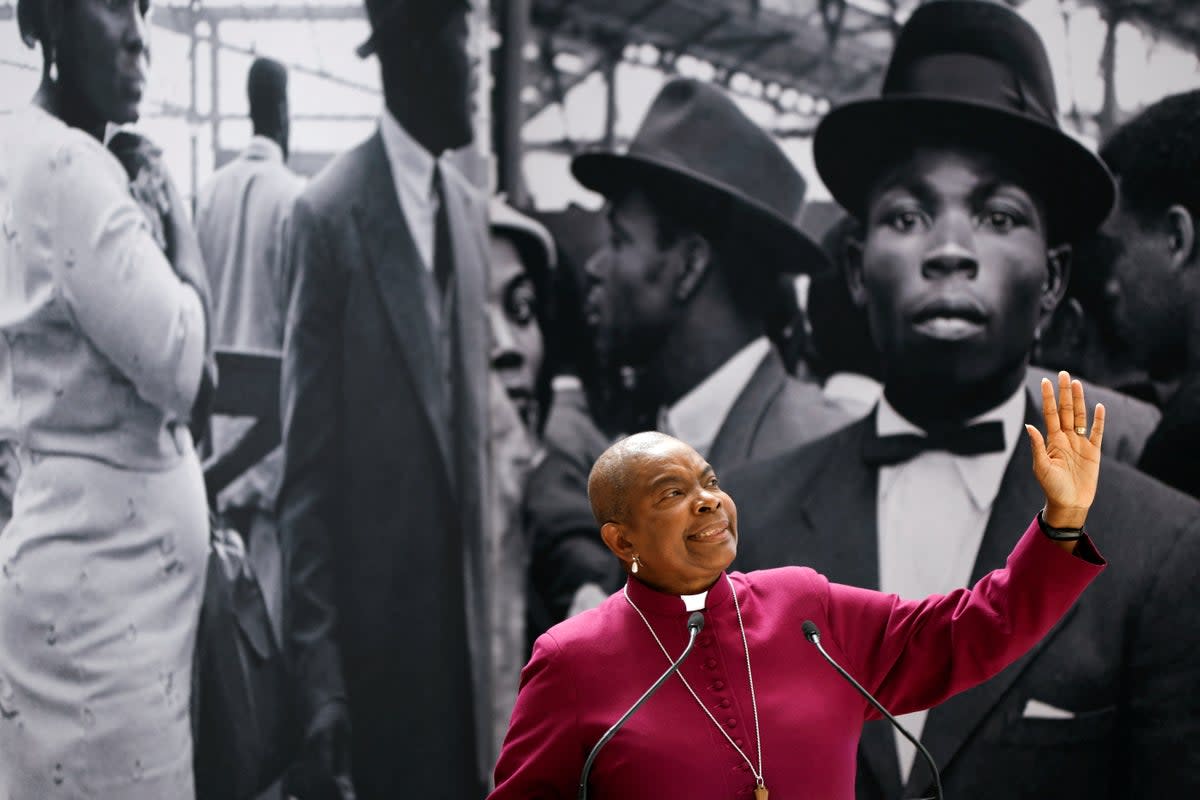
[243,732]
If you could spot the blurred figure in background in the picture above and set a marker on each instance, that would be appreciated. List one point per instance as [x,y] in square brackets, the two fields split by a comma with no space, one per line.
[568,570]
[521,267]
[241,219]
[1151,244]
[102,564]
[383,510]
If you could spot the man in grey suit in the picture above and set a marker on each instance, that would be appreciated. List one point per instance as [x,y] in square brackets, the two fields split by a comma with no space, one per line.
[963,207]
[385,443]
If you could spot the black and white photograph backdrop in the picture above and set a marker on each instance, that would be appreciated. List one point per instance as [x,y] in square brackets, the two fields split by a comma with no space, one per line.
[315,316]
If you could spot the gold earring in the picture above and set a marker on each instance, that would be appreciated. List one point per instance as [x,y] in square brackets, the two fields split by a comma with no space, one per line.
[637,563]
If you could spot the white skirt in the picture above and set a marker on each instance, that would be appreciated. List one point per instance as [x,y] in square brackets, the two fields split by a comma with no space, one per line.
[101,578]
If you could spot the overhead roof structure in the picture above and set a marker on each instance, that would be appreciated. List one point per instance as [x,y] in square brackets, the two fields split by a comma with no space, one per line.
[800,55]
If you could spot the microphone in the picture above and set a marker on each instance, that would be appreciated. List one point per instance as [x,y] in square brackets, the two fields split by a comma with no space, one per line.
[813,634]
[695,624]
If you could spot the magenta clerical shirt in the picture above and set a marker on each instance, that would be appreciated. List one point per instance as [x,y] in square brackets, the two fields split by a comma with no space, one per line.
[587,671]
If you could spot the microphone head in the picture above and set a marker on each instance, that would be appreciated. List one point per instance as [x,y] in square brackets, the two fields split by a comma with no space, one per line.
[811,631]
[696,621]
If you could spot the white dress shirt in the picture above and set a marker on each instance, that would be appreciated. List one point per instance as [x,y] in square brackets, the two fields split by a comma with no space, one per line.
[933,510]
[696,418]
[412,172]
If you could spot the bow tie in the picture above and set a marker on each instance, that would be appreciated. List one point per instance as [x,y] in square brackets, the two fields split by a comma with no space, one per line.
[973,440]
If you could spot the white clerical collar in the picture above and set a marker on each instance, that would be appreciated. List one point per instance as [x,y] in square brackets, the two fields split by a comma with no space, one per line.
[696,417]
[981,474]
[694,602]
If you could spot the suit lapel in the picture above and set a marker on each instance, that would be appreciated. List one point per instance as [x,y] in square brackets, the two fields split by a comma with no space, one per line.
[470,436]
[734,439]
[950,724]
[394,263]
[839,511]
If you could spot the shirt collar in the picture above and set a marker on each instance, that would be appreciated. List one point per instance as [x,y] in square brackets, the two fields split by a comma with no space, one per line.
[697,416]
[411,163]
[980,474]
[661,604]
[263,148]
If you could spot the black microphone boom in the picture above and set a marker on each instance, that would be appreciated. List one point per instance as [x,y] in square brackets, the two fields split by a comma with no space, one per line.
[813,634]
[695,624]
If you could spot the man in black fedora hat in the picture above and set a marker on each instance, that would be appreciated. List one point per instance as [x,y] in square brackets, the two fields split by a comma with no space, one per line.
[701,211]
[382,507]
[966,190]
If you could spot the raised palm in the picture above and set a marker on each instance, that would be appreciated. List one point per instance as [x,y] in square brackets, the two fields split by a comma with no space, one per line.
[1067,462]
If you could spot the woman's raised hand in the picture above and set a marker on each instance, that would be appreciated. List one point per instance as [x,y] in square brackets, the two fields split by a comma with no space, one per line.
[1067,461]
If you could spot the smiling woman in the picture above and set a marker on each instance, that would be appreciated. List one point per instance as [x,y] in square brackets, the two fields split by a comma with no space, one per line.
[103,558]
[662,512]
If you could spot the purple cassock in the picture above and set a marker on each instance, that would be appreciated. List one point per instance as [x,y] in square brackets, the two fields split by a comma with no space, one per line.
[586,671]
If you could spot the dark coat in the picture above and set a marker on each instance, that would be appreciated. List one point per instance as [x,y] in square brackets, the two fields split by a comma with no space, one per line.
[381,508]
[1124,659]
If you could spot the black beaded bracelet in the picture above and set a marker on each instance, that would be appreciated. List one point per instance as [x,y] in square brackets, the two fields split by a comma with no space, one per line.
[1058,534]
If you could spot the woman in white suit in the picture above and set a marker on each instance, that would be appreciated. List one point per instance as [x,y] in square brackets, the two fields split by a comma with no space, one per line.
[102,564]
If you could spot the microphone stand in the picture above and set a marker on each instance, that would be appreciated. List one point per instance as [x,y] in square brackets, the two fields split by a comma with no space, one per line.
[814,635]
[695,624]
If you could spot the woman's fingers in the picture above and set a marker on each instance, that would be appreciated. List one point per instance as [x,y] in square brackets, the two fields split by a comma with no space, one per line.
[1098,425]
[1038,445]
[1049,407]
[1066,404]
[1079,405]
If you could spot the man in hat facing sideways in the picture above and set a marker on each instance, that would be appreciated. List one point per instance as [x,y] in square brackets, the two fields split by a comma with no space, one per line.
[1151,244]
[382,510]
[701,212]
[966,189]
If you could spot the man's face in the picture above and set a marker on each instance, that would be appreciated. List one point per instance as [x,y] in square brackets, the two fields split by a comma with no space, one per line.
[681,524]
[1142,287]
[632,284]
[517,348]
[953,271]
[428,75]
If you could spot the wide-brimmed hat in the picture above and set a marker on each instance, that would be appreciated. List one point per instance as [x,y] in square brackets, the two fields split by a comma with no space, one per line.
[533,242]
[975,73]
[696,140]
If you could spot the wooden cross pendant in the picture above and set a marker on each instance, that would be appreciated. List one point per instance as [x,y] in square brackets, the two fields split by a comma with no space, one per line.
[760,792]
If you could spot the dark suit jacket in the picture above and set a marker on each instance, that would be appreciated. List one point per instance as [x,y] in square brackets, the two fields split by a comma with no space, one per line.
[1170,453]
[381,507]
[775,412]
[1125,659]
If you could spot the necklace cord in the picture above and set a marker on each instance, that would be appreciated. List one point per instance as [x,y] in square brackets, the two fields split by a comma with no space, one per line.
[758,774]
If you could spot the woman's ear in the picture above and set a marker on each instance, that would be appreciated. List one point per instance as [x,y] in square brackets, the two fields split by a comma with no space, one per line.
[53,23]
[613,534]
